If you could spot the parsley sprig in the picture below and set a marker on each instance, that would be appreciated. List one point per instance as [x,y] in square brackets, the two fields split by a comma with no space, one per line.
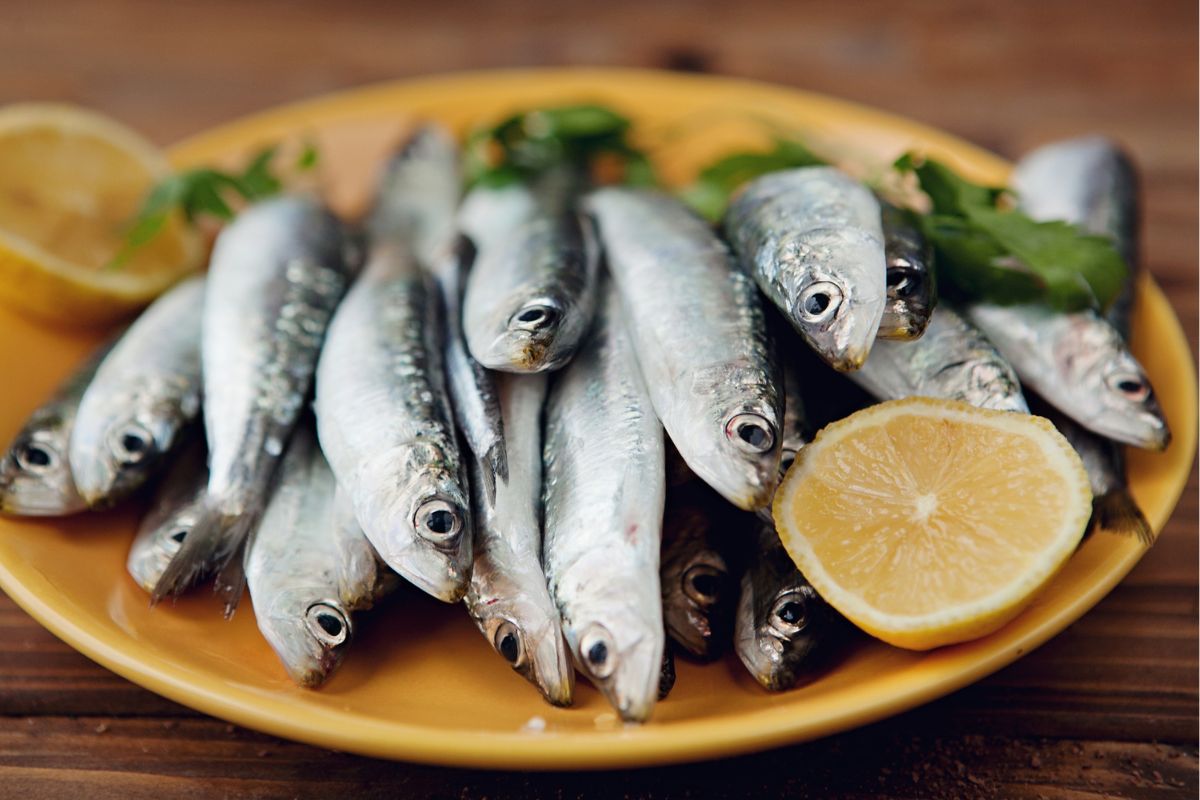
[205,191]
[713,188]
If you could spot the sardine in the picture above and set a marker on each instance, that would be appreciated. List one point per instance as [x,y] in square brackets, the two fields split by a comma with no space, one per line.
[308,566]
[782,625]
[813,239]
[1090,182]
[603,497]
[531,293]
[952,361]
[144,394]
[417,202]
[911,283]
[700,338]
[797,430]
[699,585]
[35,471]
[1113,507]
[177,506]
[385,422]
[276,275]
[508,597]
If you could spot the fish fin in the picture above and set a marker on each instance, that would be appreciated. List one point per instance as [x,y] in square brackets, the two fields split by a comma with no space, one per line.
[1116,512]
[230,582]
[190,564]
[487,476]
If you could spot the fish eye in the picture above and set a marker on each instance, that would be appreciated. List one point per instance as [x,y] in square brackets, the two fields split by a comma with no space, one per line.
[702,584]
[534,317]
[133,444]
[819,301]
[597,648]
[751,432]
[37,457]
[507,641]
[903,283]
[174,539]
[1129,384]
[789,615]
[327,623]
[438,521]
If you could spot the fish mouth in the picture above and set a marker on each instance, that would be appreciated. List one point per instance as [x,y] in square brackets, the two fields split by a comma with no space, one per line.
[552,671]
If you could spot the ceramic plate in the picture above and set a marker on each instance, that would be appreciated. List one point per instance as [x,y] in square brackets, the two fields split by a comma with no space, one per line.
[420,683]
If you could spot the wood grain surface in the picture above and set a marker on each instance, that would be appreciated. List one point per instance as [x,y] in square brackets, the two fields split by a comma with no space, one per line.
[1106,709]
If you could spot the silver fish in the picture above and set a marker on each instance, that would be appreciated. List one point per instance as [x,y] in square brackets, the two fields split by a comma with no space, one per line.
[952,361]
[508,597]
[701,341]
[417,202]
[308,566]
[782,624]
[813,239]
[35,473]
[177,506]
[276,275]
[145,392]
[796,431]
[1080,364]
[699,587]
[911,284]
[531,293]
[1113,508]
[385,422]
[603,498]
[1090,182]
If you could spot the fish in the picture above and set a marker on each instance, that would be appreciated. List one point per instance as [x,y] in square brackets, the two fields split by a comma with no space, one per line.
[386,426]
[417,201]
[507,597]
[1113,508]
[1091,182]
[603,491]
[700,338]
[531,293]
[783,626]
[35,470]
[813,239]
[144,394]
[309,566]
[911,284]
[797,430]
[276,275]
[952,361]
[699,584]
[666,675]
[176,507]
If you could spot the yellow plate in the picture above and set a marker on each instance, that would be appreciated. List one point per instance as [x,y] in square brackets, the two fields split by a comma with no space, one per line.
[420,683]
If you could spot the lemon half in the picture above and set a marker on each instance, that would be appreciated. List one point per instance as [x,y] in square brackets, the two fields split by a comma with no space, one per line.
[71,182]
[929,522]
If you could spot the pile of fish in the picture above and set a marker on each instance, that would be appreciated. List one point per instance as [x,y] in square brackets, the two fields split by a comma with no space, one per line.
[560,405]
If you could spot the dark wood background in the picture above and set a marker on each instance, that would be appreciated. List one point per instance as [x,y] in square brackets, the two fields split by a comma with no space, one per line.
[1107,709]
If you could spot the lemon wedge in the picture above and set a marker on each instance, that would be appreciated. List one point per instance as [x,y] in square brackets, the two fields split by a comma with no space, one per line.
[71,181]
[929,522]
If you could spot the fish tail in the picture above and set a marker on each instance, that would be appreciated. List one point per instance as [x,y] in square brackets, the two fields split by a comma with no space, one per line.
[1116,512]
[497,457]
[211,545]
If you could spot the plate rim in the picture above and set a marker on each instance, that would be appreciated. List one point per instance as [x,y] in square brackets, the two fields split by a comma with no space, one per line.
[688,740]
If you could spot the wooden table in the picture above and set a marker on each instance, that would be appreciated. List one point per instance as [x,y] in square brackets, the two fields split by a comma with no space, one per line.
[1108,708]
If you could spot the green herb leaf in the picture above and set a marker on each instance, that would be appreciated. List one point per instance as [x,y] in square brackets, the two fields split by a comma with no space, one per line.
[1004,256]
[257,181]
[710,193]
[309,157]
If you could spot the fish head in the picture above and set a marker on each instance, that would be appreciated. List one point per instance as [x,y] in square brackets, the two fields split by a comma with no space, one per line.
[698,590]
[619,645]
[425,528]
[527,634]
[835,292]
[528,340]
[985,381]
[778,632]
[744,410]
[114,458]
[157,542]
[910,300]
[1118,401]
[308,631]
[35,474]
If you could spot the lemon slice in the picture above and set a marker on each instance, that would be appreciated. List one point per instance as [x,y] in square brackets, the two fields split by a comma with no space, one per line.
[929,522]
[70,183]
